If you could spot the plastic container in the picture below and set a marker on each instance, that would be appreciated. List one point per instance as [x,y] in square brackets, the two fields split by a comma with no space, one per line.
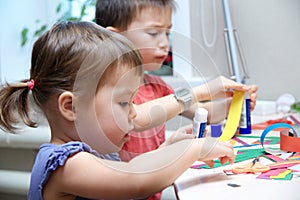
[199,122]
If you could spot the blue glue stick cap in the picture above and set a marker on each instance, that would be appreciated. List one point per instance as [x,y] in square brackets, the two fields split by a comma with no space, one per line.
[216,130]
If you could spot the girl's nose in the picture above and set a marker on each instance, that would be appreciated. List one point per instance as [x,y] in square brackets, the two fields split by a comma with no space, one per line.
[132,112]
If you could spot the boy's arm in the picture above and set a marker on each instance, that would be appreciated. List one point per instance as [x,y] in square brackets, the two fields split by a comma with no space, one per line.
[158,111]
[219,104]
[217,110]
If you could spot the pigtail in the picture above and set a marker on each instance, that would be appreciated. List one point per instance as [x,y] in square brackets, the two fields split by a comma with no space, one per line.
[14,105]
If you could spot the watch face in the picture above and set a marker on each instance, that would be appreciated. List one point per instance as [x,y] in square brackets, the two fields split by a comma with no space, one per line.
[184,95]
[183,92]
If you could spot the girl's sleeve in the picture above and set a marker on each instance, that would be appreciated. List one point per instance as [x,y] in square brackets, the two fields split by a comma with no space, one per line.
[61,153]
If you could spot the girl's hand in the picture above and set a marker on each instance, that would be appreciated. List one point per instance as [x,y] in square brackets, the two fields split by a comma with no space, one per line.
[212,148]
[182,133]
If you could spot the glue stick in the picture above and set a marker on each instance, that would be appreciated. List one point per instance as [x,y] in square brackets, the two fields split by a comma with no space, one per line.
[245,121]
[216,130]
[199,122]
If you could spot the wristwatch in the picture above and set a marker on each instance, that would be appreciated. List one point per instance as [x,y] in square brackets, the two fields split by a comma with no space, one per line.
[183,95]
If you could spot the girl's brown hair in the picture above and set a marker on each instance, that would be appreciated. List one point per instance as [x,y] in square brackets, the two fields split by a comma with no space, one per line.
[57,58]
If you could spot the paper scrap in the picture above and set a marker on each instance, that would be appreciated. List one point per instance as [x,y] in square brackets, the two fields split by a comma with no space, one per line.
[281,175]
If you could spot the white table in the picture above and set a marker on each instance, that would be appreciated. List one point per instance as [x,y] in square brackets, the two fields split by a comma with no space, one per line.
[213,183]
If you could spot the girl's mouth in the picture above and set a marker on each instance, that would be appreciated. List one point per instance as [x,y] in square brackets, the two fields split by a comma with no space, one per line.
[126,137]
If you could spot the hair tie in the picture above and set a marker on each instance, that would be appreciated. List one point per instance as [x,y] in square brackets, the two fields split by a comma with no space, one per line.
[30,84]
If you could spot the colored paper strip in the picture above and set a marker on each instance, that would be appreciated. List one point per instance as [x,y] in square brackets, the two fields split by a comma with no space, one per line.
[234,116]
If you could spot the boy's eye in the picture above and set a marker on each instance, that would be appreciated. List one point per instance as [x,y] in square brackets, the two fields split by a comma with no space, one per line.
[156,32]
[153,33]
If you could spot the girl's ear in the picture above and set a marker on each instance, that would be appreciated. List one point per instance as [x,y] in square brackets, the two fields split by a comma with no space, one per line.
[113,29]
[65,101]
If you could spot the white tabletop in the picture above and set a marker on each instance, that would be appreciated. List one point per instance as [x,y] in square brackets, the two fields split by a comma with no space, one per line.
[215,184]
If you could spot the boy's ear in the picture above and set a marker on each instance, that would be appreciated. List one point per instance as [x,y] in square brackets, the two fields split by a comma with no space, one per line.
[65,101]
[111,28]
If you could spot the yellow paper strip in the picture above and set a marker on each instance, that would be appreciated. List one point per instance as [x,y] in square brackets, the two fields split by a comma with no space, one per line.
[234,116]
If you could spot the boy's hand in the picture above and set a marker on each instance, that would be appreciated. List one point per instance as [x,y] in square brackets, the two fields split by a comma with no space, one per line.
[222,87]
[253,96]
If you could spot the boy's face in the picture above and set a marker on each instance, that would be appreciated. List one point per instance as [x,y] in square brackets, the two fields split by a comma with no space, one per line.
[149,31]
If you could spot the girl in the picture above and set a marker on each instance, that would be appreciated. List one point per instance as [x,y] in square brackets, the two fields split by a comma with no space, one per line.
[84,79]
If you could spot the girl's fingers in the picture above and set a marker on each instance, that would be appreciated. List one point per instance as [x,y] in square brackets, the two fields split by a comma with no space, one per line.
[210,163]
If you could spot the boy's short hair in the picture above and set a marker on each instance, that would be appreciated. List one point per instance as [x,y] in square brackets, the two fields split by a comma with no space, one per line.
[120,13]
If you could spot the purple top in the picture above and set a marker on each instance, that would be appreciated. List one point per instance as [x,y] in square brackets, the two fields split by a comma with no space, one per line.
[50,157]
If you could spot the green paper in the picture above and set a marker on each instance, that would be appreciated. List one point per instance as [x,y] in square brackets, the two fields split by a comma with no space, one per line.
[243,154]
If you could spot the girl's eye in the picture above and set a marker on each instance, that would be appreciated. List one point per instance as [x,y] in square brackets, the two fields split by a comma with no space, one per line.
[123,103]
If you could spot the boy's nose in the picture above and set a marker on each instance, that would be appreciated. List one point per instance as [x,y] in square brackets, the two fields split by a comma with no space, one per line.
[164,43]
